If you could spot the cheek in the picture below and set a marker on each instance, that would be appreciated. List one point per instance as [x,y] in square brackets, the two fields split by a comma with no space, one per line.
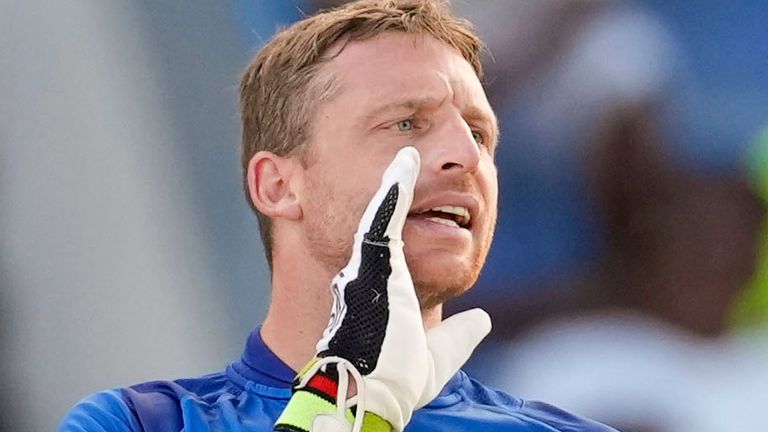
[336,192]
[326,223]
[326,197]
[334,205]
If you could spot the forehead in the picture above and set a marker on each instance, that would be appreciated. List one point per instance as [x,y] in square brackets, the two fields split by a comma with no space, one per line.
[397,64]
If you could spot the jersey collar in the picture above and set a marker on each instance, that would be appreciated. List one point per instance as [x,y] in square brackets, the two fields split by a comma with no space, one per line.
[261,370]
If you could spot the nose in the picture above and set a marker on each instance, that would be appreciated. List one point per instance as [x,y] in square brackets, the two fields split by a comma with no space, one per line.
[451,149]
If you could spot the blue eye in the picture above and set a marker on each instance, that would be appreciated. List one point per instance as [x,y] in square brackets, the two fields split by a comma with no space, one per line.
[405,125]
[478,137]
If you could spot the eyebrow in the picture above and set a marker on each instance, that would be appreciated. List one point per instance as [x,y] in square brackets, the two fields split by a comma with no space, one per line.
[472,112]
[411,103]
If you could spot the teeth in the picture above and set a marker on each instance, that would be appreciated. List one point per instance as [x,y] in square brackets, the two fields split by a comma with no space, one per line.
[461,212]
[444,221]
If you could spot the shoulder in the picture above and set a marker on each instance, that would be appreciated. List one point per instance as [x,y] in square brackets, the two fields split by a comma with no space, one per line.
[548,417]
[103,411]
[561,420]
[480,407]
[151,406]
[168,393]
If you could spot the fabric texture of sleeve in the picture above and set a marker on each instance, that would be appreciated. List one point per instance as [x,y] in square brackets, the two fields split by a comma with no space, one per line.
[105,411]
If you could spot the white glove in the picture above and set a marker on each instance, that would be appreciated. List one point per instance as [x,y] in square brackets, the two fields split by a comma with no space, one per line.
[376,331]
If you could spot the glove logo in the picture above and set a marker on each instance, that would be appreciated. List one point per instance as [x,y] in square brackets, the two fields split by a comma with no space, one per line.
[338,307]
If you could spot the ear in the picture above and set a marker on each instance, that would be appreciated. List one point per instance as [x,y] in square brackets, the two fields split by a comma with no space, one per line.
[270,186]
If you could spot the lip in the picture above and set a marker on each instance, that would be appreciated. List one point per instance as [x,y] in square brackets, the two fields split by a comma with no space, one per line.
[436,231]
[448,199]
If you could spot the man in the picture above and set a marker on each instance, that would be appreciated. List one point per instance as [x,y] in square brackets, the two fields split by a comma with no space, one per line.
[370,117]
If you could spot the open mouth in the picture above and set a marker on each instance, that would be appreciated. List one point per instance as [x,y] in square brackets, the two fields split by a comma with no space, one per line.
[453,216]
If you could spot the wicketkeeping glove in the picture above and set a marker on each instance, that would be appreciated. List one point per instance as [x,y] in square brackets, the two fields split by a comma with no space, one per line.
[376,332]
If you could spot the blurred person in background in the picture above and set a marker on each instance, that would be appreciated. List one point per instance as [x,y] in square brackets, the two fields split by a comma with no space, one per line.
[631,323]
[556,67]
[650,326]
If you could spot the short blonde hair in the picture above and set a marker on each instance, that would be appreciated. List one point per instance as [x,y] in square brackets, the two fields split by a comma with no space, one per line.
[281,87]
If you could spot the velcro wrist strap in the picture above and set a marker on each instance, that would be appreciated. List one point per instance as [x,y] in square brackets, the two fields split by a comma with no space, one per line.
[304,406]
[302,409]
[318,397]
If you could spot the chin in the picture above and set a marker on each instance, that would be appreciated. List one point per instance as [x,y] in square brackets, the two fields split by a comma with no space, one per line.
[438,280]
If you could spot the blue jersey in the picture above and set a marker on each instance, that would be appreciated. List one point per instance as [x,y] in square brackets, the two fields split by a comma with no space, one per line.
[251,393]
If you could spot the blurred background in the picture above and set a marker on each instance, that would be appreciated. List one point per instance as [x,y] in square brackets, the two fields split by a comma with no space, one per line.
[628,280]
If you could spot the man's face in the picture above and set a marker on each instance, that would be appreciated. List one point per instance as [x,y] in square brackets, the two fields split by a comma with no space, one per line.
[398,90]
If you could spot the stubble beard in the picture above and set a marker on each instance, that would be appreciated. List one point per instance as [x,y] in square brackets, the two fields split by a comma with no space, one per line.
[330,233]
[333,249]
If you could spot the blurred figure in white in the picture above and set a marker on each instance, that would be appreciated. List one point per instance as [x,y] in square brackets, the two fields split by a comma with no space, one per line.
[646,345]
[640,338]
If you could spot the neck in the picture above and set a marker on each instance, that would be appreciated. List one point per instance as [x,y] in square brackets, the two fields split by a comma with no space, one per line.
[301,307]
